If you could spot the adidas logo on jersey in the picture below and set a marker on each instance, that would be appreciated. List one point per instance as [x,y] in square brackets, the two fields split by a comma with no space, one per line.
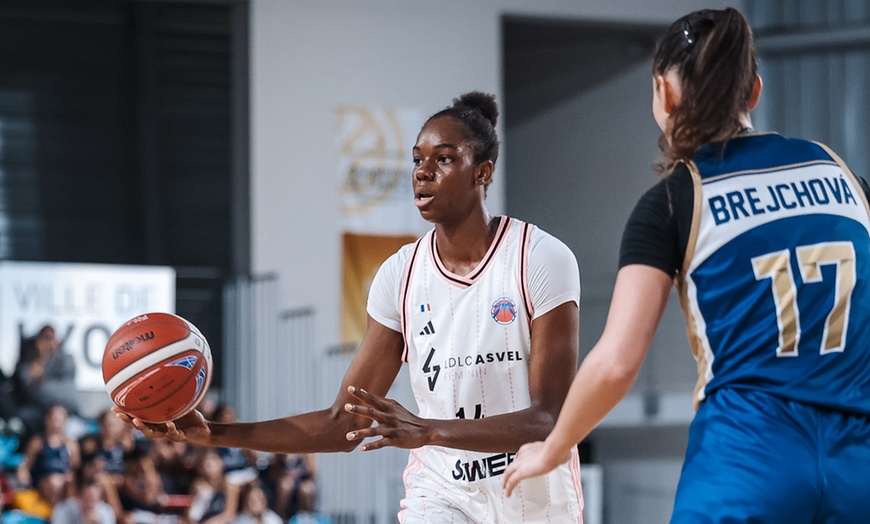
[428,329]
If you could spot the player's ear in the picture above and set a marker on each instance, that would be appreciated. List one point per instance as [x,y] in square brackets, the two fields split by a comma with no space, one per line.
[756,93]
[483,173]
[669,91]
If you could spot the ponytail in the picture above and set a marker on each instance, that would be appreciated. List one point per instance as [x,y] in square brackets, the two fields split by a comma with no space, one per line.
[714,53]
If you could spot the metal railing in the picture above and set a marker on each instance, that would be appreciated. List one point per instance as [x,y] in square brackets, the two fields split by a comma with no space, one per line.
[272,368]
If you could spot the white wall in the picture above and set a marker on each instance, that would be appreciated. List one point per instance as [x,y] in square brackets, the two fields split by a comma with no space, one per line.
[307,57]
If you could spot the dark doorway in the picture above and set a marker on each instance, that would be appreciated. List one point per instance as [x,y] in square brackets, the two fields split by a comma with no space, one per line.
[120,141]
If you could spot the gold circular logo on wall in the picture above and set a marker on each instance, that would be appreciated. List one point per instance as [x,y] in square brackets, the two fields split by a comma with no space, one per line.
[372,156]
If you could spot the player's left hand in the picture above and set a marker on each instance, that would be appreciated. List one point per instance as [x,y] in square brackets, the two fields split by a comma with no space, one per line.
[192,428]
[532,460]
[396,426]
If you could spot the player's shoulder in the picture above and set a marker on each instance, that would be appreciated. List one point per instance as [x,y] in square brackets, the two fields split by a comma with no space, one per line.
[404,253]
[545,244]
[668,188]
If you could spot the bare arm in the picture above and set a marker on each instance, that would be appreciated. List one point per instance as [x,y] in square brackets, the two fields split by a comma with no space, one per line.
[375,366]
[606,374]
[231,509]
[34,446]
[110,488]
[554,349]
[75,455]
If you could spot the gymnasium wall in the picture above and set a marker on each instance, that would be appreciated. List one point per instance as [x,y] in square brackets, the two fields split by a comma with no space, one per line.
[307,58]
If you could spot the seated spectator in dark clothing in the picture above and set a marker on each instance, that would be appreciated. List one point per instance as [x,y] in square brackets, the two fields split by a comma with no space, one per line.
[46,471]
[44,376]
[215,499]
[111,442]
[50,458]
[141,490]
[175,463]
[8,409]
[289,483]
[93,468]
[240,465]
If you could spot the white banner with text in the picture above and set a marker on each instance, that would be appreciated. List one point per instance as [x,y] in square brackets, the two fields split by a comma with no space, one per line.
[85,303]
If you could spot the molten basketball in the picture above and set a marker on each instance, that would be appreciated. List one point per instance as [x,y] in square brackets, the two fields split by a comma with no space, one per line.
[157,367]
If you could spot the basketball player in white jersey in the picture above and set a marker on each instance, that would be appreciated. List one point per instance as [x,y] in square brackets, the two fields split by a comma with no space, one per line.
[484,310]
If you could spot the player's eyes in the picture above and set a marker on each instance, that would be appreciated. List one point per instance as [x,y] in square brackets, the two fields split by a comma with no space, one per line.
[417,161]
[444,159]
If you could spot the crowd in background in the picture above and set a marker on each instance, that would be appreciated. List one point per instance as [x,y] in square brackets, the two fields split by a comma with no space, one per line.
[60,467]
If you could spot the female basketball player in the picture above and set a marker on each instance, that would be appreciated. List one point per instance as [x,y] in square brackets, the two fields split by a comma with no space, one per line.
[767,240]
[458,306]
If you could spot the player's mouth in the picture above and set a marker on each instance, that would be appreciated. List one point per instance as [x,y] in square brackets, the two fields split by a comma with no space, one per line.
[422,199]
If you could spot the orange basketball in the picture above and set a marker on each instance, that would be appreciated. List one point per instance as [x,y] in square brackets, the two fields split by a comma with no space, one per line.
[157,367]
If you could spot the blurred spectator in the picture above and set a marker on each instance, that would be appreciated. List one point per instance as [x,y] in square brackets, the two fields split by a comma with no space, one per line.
[240,465]
[44,376]
[50,458]
[6,493]
[289,481]
[93,467]
[208,406]
[215,499]
[175,463]
[253,508]
[88,507]
[141,490]
[112,440]
[8,409]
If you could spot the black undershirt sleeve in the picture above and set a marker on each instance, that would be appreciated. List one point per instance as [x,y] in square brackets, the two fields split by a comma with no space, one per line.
[657,231]
[864,186]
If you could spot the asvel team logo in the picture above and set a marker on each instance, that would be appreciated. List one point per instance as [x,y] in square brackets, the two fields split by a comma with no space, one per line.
[504,311]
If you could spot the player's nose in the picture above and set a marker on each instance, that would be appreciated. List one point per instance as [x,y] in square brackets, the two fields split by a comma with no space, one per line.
[425,171]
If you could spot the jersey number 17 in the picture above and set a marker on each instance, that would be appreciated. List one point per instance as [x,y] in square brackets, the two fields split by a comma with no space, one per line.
[776,266]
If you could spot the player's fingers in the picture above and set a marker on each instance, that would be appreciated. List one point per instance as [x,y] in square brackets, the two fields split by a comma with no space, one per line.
[377,444]
[172,430]
[364,395]
[360,434]
[127,419]
[151,431]
[509,482]
[366,411]
[140,425]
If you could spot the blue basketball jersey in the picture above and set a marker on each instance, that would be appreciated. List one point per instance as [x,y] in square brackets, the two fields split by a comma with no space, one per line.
[775,285]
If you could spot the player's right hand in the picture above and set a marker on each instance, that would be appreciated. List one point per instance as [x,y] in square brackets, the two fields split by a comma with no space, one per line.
[192,428]
[532,460]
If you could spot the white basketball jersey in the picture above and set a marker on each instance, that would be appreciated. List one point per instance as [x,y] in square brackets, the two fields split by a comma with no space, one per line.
[467,349]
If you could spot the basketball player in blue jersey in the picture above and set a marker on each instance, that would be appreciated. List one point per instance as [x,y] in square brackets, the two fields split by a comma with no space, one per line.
[484,310]
[766,239]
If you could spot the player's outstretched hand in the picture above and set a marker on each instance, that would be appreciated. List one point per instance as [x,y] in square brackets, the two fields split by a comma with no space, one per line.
[396,426]
[532,460]
[192,428]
